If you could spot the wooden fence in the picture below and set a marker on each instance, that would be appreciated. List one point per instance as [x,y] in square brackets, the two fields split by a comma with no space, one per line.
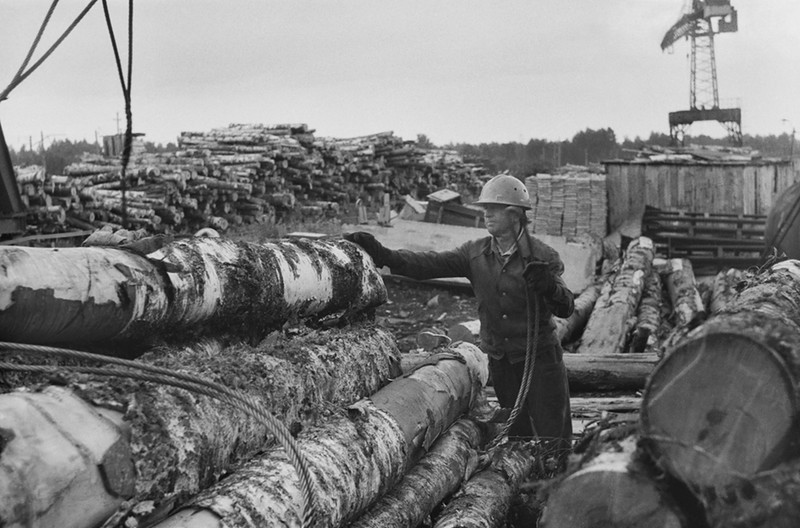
[738,188]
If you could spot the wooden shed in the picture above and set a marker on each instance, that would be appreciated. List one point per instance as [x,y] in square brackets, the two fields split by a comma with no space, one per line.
[717,187]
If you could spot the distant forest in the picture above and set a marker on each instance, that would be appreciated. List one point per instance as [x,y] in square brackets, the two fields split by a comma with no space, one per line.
[537,155]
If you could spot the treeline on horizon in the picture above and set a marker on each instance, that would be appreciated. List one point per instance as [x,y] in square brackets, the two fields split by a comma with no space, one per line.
[537,155]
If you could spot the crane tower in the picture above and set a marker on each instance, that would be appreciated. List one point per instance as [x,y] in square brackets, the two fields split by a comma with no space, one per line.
[699,23]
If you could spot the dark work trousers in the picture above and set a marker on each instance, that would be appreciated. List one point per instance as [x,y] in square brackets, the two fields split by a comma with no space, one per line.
[547,404]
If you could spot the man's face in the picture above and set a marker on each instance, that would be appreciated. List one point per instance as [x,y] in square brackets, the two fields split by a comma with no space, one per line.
[499,219]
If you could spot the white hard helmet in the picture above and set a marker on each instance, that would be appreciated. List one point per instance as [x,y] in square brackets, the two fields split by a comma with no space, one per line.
[505,189]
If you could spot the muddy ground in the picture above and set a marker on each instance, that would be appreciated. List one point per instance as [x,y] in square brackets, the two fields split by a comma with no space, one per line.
[416,306]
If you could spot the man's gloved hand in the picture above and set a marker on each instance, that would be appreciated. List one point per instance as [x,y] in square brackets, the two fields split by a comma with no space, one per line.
[379,253]
[539,277]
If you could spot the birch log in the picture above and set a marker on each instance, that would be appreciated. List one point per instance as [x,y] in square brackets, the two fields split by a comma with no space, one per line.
[721,405]
[687,305]
[613,488]
[614,312]
[92,295]
[648,317]
[436,476]
[585,372]
[62,462]
[724,288]
[354,458]
[570,329]
[485,498]
[181,442]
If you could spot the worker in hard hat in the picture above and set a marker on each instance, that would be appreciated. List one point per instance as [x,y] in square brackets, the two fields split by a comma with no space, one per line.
[504,268]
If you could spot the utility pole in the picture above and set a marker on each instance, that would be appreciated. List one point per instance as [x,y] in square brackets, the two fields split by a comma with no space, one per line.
[791,145]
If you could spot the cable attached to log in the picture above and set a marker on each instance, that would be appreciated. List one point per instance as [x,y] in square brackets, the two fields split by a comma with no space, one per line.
[150,373]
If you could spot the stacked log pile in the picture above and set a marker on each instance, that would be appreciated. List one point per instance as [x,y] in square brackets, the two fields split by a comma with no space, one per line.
[716,443]
[242,174]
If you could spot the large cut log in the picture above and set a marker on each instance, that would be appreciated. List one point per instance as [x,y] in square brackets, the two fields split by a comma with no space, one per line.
[484,500]
[722,404]
[613,487]
[91,295]
[354,458]
[585,372]
[436,476]
[614,313]
[180,442]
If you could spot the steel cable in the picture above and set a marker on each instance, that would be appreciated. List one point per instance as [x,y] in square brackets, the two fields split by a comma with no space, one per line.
[154,374]
[20,76]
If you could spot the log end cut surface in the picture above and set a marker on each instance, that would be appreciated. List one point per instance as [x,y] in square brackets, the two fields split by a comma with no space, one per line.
[606,495]
[718,407]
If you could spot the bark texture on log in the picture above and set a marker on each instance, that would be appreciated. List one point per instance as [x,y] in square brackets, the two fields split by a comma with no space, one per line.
[56,455]
[722,404]
[648,318]
[354,458]
[81,295]
[182,442]
[436,476]
[612,488]
[260,285]
[484,500]
[725,288]
[76,294]
[687,305]
[614,313]
[569,329]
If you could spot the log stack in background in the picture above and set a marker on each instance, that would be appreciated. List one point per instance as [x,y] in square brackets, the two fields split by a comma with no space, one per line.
[242,174]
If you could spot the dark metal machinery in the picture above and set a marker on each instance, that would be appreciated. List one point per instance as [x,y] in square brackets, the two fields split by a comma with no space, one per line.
[12,210]
[700,24]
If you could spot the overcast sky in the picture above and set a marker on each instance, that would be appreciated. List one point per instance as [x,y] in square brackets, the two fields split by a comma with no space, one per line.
[455,70]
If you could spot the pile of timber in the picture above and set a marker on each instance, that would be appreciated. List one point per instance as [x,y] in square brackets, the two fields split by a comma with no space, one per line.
[569,203]
[241,174]
[119,450]
[716,443]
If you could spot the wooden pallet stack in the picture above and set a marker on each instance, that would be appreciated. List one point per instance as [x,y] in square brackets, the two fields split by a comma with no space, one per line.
[568,204]
[710,240]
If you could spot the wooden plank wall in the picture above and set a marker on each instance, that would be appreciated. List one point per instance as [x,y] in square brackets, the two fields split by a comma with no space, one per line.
[713,188]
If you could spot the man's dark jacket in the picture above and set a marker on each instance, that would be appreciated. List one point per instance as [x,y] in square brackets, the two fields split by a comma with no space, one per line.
[500,290]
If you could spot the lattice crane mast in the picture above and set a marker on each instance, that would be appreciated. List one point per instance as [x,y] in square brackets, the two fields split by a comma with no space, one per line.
[700,22]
